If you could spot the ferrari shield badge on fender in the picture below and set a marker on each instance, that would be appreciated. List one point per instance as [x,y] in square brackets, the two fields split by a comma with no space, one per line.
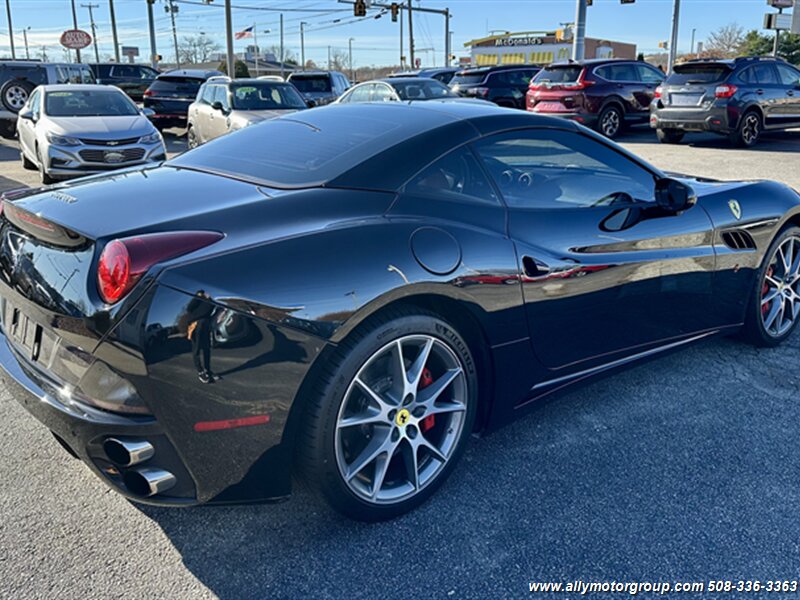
[736,209]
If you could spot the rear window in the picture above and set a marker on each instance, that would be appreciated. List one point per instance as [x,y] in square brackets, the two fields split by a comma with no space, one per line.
[311,83]
[468,78]
[314,148]
[558,74]
[176,84]
[687,74]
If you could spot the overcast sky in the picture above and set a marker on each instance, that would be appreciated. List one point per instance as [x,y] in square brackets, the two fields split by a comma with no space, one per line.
[644,23]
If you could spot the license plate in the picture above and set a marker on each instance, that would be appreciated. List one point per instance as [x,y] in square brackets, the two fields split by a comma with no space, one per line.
[685,99]
[28,336]
[550,107]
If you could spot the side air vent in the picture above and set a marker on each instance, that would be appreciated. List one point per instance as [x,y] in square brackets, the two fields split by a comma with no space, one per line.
[738,239]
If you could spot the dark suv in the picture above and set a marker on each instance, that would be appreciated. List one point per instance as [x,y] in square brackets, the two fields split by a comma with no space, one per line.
[505,85]
[320,87]
[170,95]
[738,98]
[131,79]
[605,94]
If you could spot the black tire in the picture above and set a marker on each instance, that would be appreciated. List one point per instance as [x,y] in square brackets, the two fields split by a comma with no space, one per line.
[755,330]
[319,447]
[46,179]
[191,138]
[14,93]
[669,136]
[610,121]
[27,163]
[749,130]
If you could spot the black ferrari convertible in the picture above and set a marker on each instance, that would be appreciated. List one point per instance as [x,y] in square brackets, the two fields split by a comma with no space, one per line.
[348,293]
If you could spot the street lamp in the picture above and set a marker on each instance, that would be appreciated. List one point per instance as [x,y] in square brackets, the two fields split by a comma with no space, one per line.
[350,47]
[25,36]
[302,45]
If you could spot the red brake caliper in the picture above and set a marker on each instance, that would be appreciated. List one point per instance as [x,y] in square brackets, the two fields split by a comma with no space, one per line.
[764,291]
[429,421]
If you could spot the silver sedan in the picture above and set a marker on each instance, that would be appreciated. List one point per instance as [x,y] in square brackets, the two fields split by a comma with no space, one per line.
[72,130]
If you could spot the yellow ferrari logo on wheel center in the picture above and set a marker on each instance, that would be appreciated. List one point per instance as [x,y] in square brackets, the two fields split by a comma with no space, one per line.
[402,417]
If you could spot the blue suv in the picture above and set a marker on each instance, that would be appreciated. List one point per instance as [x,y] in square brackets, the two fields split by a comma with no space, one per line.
[739,98]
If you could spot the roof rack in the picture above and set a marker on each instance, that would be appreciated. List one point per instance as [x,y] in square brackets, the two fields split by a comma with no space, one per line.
[757,58]
[218,78]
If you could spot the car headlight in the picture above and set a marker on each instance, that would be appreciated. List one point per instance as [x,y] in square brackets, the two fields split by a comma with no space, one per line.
[152,138]
[62,140]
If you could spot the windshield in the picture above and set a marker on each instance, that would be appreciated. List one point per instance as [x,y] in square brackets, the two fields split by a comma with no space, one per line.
[468,78]
[422,90]
[311,83]
[689,73]
[558,74]
[265,96]
[89,103]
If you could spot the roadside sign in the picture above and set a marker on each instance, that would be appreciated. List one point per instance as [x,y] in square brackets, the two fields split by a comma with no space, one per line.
[781,3]
[796,19]
[130,51]
[777,21]
[75,39]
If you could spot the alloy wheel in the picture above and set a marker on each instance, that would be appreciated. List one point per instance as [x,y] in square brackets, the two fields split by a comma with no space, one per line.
[780,291]
[401,419]
[610,123]
[751,128]
[16,96]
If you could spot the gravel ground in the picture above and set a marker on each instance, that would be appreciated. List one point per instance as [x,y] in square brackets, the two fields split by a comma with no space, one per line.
[681,469]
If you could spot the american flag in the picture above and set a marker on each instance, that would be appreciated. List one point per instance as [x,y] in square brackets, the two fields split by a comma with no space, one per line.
[244,33]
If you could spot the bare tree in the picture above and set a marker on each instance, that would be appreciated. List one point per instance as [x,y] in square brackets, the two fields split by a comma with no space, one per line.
[726,41]
[195,49]
[340,60]
[288,55]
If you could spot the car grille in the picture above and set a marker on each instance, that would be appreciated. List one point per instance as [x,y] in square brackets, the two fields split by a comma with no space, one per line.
[102,156]
[125,142]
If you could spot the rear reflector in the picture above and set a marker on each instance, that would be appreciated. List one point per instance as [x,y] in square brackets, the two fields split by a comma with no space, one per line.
[124,261]
[203,426]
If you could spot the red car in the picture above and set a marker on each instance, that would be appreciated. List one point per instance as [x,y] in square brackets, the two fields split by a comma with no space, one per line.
[606,94]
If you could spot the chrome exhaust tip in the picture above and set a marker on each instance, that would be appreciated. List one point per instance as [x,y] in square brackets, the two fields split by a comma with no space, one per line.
[127,453]
[148,481]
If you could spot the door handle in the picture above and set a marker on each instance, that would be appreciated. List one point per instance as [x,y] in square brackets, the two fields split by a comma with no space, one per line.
[759,92]
[790,93]
[534,268]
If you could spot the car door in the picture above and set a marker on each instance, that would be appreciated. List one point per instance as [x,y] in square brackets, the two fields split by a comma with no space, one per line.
[218,120]
[26,128]
[649,78]
[382,92]
[790,104]
[605,272]
[627,85]
[769,93]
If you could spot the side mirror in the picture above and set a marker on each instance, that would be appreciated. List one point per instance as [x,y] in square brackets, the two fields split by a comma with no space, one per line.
[148,112]
[26,114]
[311,103]
[674,196]
[217,105]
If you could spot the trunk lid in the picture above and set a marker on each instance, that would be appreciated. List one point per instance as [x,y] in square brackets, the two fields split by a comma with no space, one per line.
[693,85]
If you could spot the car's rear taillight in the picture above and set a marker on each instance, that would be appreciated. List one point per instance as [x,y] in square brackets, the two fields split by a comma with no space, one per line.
[659,91]
[481,92]
[124,261]
[148,93]
[725,90]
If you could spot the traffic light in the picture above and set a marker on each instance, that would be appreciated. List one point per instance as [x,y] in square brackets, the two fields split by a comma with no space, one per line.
[588,2]
[663,45]
[360,8]
[627,1]
[395,11]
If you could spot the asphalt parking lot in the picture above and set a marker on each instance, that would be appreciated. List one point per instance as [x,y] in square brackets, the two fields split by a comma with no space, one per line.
[686,468]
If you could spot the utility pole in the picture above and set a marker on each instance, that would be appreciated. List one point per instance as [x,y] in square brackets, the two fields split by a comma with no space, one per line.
[282,67]
[402,56]
[114,29]
[302,45]
[10,29]
[579,37]
[25,37]
[350,48]
[694,31]
[329,58]
[446,37]
[231,62]
[74,26]
[151,25]
[171,8]
[673,43]
[94,29]
[255,42]
[411,33]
